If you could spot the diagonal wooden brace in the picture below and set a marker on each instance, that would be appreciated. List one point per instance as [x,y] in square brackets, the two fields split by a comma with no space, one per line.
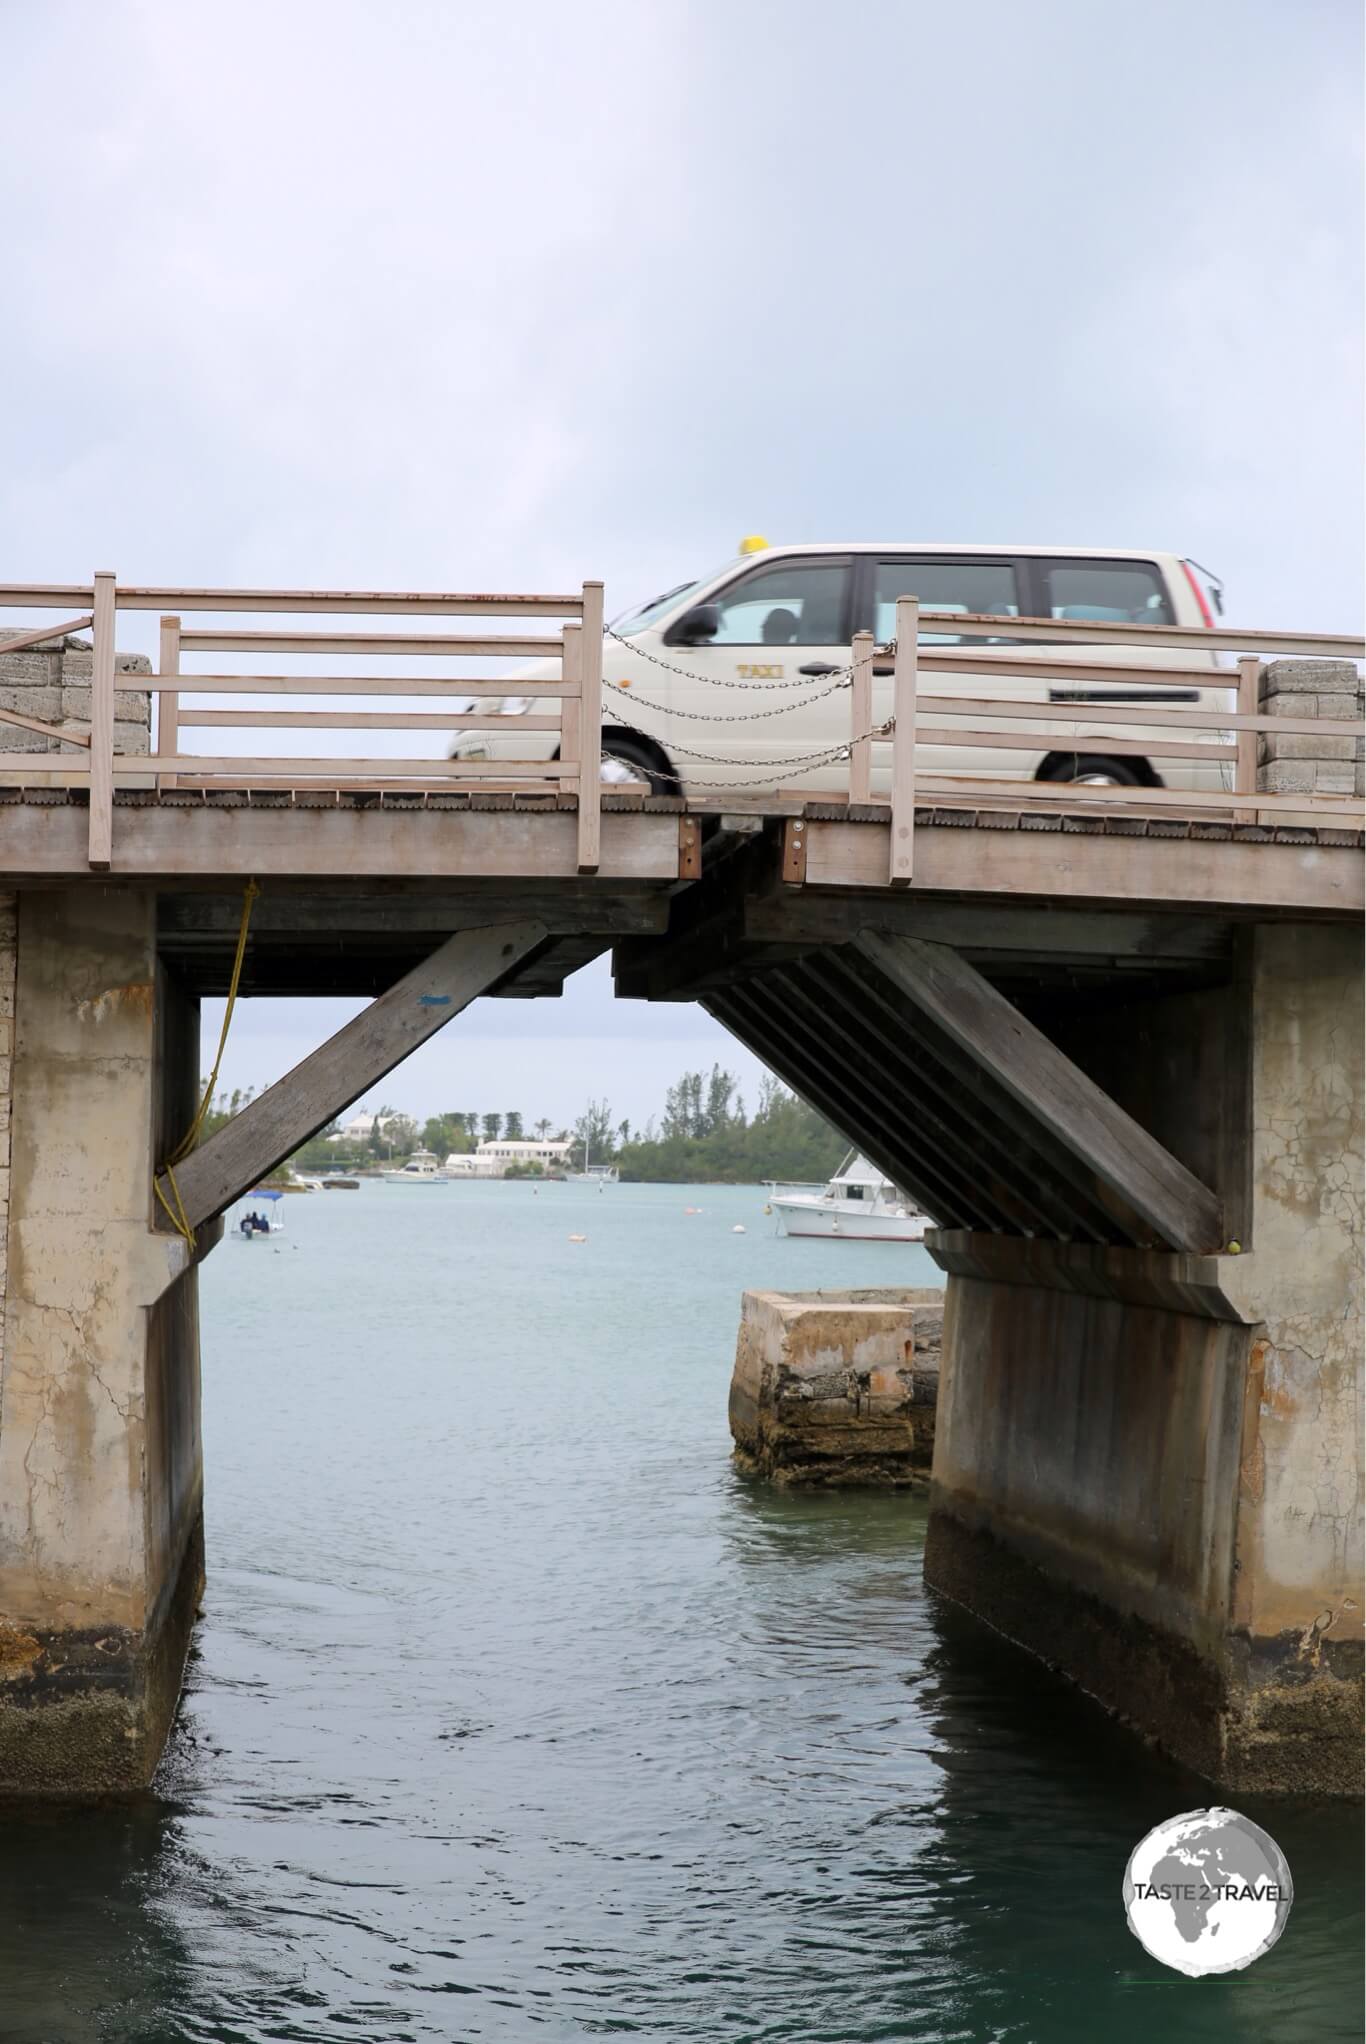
[1073,1109]
[273,1125]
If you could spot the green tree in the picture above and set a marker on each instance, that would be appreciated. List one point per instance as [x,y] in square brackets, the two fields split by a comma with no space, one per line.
[222,1109]
[512,1127]
[492,1124]
[593,1132]
[704,1136]
[443,1133]
[400,1135]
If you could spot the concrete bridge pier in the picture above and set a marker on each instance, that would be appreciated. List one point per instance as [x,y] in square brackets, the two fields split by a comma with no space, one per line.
[101,1542]
[1147,1465]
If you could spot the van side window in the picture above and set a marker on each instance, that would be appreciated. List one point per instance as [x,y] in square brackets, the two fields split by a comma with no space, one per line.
[985,588]
[1107,592]
[788,603]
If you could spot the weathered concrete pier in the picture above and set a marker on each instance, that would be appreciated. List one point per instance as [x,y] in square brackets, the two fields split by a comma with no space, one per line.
[837,1387]
[1111,1041]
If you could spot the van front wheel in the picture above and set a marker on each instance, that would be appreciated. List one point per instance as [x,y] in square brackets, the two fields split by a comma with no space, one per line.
[628,758]
[1094,771]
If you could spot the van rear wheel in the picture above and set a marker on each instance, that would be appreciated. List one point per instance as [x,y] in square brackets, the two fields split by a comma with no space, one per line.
[1093,771]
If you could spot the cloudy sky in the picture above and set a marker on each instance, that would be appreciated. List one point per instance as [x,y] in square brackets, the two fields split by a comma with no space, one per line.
[452,294]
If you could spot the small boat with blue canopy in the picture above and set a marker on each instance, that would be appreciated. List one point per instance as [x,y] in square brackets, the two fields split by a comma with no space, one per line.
[261,1214]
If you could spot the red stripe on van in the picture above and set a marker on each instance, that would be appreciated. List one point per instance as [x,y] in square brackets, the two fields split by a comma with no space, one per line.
[1206,618]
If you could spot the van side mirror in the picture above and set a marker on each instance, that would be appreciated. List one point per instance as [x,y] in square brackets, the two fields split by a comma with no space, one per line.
[703,621]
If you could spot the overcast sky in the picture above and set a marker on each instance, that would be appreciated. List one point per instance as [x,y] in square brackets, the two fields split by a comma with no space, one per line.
[449,295]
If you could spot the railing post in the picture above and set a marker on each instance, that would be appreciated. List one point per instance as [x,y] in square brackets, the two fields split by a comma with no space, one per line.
[168,706]
[861,712]
[101,838]
[571,710]
[590,730]
[903,740]
[1245,763]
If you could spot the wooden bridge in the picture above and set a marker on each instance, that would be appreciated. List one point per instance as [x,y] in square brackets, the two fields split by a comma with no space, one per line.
[1103,1033]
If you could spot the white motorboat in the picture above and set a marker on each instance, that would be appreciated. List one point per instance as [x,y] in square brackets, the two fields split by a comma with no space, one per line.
[858,1205]
[421,1168]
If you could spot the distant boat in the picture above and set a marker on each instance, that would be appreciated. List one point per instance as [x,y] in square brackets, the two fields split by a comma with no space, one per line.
[267,1219]
[341,1185]
[421,1168]
[593,1174]
[858,1204]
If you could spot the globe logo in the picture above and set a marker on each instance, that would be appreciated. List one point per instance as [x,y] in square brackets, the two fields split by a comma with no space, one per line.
[1207,1892]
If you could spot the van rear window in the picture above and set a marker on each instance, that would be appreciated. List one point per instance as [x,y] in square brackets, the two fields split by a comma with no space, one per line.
[1107,592]
[985,588]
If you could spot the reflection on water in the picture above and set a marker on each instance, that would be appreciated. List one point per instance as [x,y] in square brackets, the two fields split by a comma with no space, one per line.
[515,1713]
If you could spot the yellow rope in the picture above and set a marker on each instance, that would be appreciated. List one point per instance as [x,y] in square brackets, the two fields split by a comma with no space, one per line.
[191,1136]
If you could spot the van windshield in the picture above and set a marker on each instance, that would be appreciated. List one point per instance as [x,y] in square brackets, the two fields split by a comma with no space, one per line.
[646,613]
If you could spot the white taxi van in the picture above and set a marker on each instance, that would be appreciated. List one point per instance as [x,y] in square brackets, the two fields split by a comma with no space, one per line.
[737,681]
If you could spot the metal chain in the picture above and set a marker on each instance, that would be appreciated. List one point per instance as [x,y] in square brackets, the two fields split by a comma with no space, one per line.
[804,761]
[711,680]
[723,716]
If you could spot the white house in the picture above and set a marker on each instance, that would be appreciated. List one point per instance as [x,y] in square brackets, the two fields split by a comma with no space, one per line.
[361,1127]
[491,1160]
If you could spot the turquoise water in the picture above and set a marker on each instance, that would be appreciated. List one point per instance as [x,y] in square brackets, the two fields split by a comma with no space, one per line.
[515,1714]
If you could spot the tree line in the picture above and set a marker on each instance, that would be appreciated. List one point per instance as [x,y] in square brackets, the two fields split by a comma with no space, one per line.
[704,1135]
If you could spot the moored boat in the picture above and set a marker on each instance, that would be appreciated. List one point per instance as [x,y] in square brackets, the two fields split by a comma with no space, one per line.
[421,1168]
[858,1204]
[593,1174]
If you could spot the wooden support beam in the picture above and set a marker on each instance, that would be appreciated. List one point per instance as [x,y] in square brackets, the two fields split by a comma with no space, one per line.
[1176,941]
[1018,1057]
[947,1177]
[44,633]
[168,703]
[903,742]
[861,706]
[273,1126]
[590,730]
[100,834]
[742,1011]
[1000,1179]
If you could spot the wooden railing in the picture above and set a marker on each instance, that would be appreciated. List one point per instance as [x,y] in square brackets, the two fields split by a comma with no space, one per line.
[575,692]
[1193,733]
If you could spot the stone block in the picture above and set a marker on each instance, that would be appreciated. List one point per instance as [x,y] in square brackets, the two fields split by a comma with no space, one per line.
[131,705]
[1342,706]
[1306,745]
[1308,677]
[1287,777]
[42,702]
[1334,780]
[18,669]
[131,738]
[78,664]
[14,738]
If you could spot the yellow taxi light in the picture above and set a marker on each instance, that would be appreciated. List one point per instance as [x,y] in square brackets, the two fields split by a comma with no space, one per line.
[753,543]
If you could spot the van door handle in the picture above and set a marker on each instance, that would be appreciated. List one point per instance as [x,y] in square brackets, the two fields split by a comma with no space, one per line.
[818,667]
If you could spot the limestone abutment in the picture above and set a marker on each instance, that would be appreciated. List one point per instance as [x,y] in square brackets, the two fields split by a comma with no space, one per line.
[1148,1467]
[837,1387]
[101,1544]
